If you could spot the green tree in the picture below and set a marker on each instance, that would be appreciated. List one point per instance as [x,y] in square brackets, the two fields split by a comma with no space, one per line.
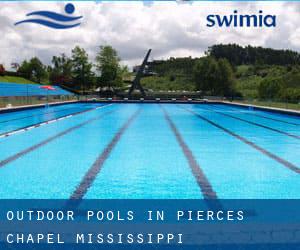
[81,69]
[108,65]
[224,83]
[270,88]
[38,70]
[290,94]
[33,70]
[205,74]
[25,69]
[213,76]
[238,55]
[61,71]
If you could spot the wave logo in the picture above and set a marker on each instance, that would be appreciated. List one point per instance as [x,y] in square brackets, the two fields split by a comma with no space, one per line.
[54,20]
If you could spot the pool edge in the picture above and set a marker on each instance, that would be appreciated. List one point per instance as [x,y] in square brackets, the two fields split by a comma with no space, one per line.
[242,105]
[263,108]
[34,106]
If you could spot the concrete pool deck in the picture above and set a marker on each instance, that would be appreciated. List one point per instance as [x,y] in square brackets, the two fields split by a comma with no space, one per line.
[265,108]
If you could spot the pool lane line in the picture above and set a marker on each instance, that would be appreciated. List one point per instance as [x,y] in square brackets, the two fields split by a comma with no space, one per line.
[280,160]
[38,114]
[273,119]
[201,179]
[23,129]
[266,117]
[95,169]
[256,124]
[29,127]
[50,139]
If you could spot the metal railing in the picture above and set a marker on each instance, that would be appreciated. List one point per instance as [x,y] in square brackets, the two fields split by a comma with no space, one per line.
[15,101]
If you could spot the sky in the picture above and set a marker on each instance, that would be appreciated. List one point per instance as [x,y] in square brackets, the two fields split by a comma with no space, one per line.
[171,29]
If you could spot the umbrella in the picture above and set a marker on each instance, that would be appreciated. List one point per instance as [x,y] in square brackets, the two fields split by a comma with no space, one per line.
[47,87]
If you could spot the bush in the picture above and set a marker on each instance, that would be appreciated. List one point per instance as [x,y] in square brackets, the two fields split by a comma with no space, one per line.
[270,88]
[213,76]
[290,95]
[2,70]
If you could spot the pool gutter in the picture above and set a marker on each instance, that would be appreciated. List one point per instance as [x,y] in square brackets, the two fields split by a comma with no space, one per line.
[263,108]
[246,106]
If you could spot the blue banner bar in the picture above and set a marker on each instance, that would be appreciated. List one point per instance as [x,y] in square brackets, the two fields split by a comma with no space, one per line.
[150,224]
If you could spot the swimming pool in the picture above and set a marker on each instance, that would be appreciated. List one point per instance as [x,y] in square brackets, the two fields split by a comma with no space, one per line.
[195,151]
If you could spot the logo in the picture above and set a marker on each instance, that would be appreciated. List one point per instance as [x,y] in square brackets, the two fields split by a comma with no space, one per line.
[239,20]
[54,20]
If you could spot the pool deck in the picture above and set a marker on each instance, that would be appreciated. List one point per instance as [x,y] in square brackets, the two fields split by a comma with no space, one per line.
[263,108]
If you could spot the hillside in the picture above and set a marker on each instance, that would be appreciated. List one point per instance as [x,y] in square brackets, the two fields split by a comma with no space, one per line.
[258,73]
[281,83]
[172,74]
[15,79]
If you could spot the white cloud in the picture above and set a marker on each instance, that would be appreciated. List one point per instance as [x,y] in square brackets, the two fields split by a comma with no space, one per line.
[170,29]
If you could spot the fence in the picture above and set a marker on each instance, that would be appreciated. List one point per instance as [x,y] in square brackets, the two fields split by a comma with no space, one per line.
[14,94]
[287,104]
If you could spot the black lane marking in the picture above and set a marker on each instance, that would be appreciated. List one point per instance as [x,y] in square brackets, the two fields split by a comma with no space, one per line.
[256,124]
[201,179]
[49,121]
[94,170]
[273,119]
[283,162]
[50,139]
[38,114]
[266,117]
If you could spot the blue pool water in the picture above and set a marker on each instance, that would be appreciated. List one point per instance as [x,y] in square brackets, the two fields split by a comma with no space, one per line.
[17,120]
[149,151]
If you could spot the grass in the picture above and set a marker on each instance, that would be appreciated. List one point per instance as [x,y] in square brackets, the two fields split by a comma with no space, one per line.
[15,79]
